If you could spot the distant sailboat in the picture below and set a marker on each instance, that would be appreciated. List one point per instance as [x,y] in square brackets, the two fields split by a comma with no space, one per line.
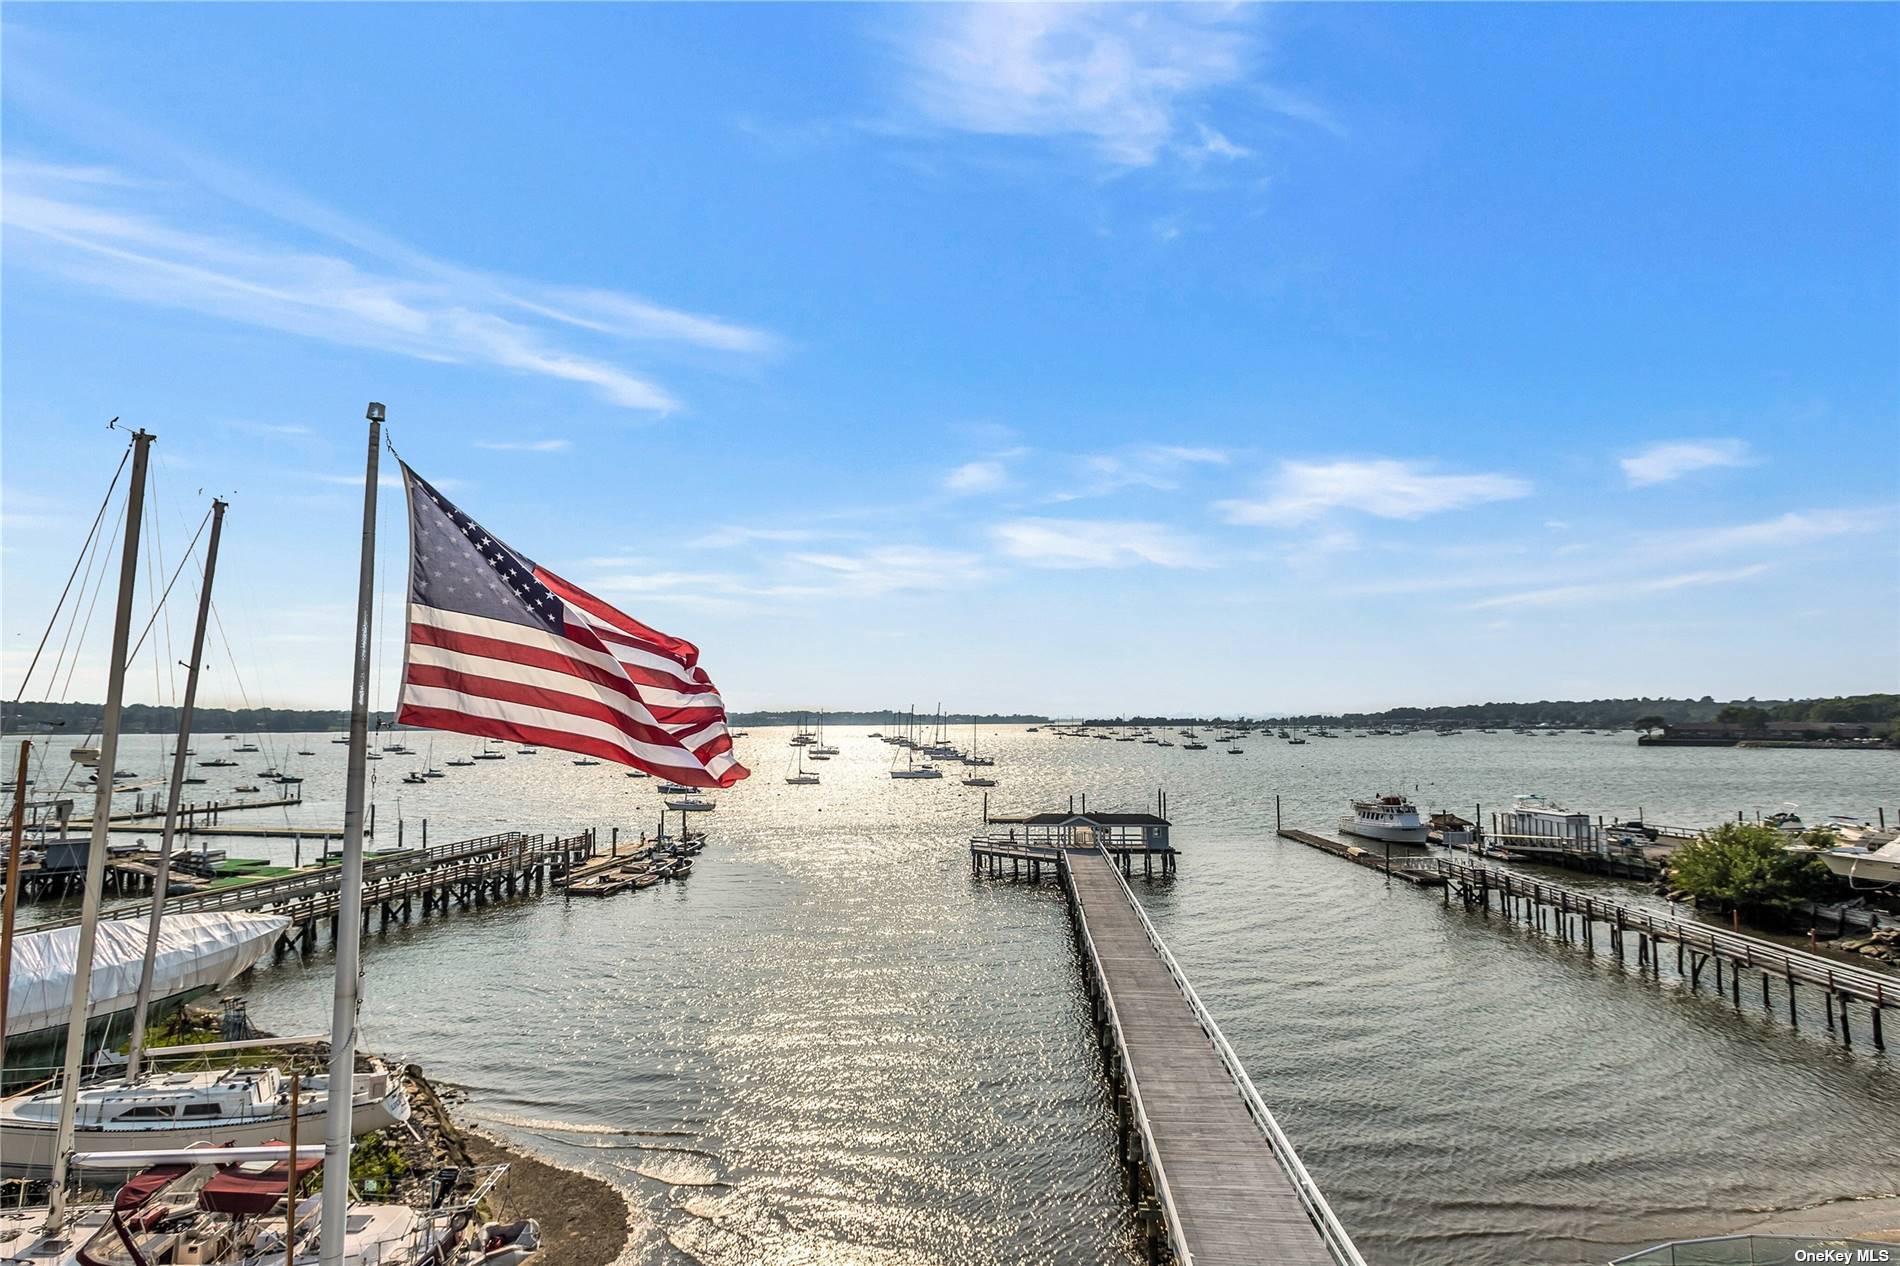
[802,777]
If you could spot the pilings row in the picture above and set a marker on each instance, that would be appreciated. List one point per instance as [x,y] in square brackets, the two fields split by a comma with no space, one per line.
[1587,923]
[468,884]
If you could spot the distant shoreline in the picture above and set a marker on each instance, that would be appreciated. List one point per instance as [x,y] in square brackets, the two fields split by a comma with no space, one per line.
[74,720]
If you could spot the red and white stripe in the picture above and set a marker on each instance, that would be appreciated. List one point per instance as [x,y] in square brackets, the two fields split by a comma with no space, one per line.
[607,686]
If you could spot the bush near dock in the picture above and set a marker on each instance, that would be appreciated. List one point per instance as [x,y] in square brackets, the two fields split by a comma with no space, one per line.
[1747,866]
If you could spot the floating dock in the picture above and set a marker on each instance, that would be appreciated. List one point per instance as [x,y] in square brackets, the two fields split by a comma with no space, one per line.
[1405,867]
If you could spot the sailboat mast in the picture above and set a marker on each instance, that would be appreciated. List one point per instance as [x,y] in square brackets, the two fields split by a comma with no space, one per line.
[10,901]
[349,917]
[101,820]
[163,878]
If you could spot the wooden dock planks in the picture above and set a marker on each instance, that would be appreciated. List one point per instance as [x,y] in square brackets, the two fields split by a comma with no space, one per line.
[1235,1201]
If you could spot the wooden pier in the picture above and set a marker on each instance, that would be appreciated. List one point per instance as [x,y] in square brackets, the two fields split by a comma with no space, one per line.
[468,873]
[1213,1178]
[1578,916]
[1406,867]
[1027,845]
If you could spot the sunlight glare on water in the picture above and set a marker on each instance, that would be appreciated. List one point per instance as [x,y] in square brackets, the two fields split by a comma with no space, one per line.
[832,1045]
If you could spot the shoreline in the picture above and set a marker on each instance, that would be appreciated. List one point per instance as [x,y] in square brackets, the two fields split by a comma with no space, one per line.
[585,1220]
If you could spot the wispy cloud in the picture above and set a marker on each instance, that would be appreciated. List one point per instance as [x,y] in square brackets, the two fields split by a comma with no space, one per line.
[1158,466]
[388,479]
[526,446]
[1672,459]
[1784,531]
[1120,77]
[1571,595]
[1303,491]
[893,567]
[730,537]
[286,430]
[363,291]
[972,478]
[1067,543]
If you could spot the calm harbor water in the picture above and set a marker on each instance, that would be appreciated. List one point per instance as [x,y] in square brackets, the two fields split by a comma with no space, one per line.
[832,1045]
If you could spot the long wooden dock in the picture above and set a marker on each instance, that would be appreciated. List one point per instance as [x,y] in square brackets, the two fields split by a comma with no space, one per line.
[1214,1179]
[1407,868]
[467,872]
[1576,916]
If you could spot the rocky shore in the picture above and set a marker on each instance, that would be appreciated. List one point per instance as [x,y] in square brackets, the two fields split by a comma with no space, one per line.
[585,1221]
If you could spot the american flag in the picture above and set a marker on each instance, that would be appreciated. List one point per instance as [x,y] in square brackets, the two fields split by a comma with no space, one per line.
[506,649]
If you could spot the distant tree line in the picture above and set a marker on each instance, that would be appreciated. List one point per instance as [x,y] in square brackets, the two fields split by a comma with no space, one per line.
[1637,713]
[144,718]
[140,718]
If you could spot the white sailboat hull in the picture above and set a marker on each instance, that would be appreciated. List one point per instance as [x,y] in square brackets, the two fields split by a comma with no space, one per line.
[380,1102]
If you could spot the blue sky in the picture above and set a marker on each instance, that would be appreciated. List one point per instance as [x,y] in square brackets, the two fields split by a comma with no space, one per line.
[1066,359]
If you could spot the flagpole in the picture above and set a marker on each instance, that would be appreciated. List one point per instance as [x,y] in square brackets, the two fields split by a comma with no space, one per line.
[163,879]
[76,1017]
[340,1099]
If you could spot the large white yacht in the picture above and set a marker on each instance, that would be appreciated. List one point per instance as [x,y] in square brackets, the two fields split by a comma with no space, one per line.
[245,1107]
[1393,819]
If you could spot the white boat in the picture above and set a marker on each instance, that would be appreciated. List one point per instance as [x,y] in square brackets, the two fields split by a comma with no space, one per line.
[693,805]
[196,953]
[241,1213]
[1869,863]
[242,1107]
[1392,819]
[585,760]
[801,777]
[918,771]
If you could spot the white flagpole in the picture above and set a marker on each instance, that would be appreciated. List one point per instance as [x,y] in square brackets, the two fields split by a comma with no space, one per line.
[163,879]
[96,852]
[340,1099]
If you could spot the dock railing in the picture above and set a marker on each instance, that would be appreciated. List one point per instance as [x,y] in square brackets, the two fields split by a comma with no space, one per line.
[1325,1221]
[1867,984]
[1171,1215]
[310,881]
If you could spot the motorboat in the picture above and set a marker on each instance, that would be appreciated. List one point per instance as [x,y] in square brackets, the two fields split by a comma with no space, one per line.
[1868,863]
[691,804]
[240,1107]
[1390,818]
[583,760]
